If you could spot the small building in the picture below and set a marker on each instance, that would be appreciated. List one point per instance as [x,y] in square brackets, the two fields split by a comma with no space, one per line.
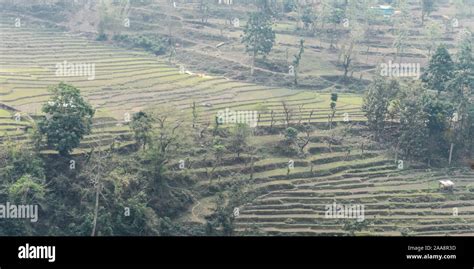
[446,184]
[226,2]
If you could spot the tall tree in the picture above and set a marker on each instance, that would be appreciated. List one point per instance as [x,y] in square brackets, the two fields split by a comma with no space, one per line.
[68,119]
[336,15]
[376,103]
[427,7]
[413,135]
[296,61]
[308,18]
[259,36]
[438,114]
[439,71]
[141,126]
[433,31]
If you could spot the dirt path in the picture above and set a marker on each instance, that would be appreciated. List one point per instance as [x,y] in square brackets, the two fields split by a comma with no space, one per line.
[194,217]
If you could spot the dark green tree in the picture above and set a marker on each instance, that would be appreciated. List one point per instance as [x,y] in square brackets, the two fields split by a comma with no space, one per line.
[141,126]
[438,112]
[414,132]
[68,119]
[440,70]
[259,36]
[376,103]
[461,85]
[308,18]
[427,7]
[291,134]
[16,160]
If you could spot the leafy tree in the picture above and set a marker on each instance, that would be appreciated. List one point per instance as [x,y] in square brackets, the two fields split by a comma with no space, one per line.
[463,79]
[438,112]
[141,126]
[259,36]
[238,139]
[27,190]
[289,6]
[376,103]
[433,32]
[308,18]
[400,39]
[427,7]
[414,131]
[68,119]
[461,129]
[465,55]
[291,134]
[440,70]
[462,86]
[336,15]
[16,160]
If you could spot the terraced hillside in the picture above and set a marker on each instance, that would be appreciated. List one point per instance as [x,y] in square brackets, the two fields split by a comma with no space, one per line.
[396,203]
[354,171]
[126,82]
[340,164]
[217,40]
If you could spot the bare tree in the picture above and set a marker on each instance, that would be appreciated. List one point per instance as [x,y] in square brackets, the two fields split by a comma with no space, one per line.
[288,113]
[204,129]
[300,112]
[310,116]
[167,135]
[346,57]
[195,114]
[272,119]
[96,168]
[302,142]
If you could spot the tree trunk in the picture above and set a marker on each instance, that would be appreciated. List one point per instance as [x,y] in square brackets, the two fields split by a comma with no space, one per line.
[96,210]
[253,63]
[451,153]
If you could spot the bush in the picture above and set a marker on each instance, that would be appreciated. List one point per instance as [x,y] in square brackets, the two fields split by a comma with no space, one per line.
[470,187]
[102,37]
[155,45]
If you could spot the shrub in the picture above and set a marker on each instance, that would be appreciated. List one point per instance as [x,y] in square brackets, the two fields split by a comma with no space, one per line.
[470,187]
[102,37]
